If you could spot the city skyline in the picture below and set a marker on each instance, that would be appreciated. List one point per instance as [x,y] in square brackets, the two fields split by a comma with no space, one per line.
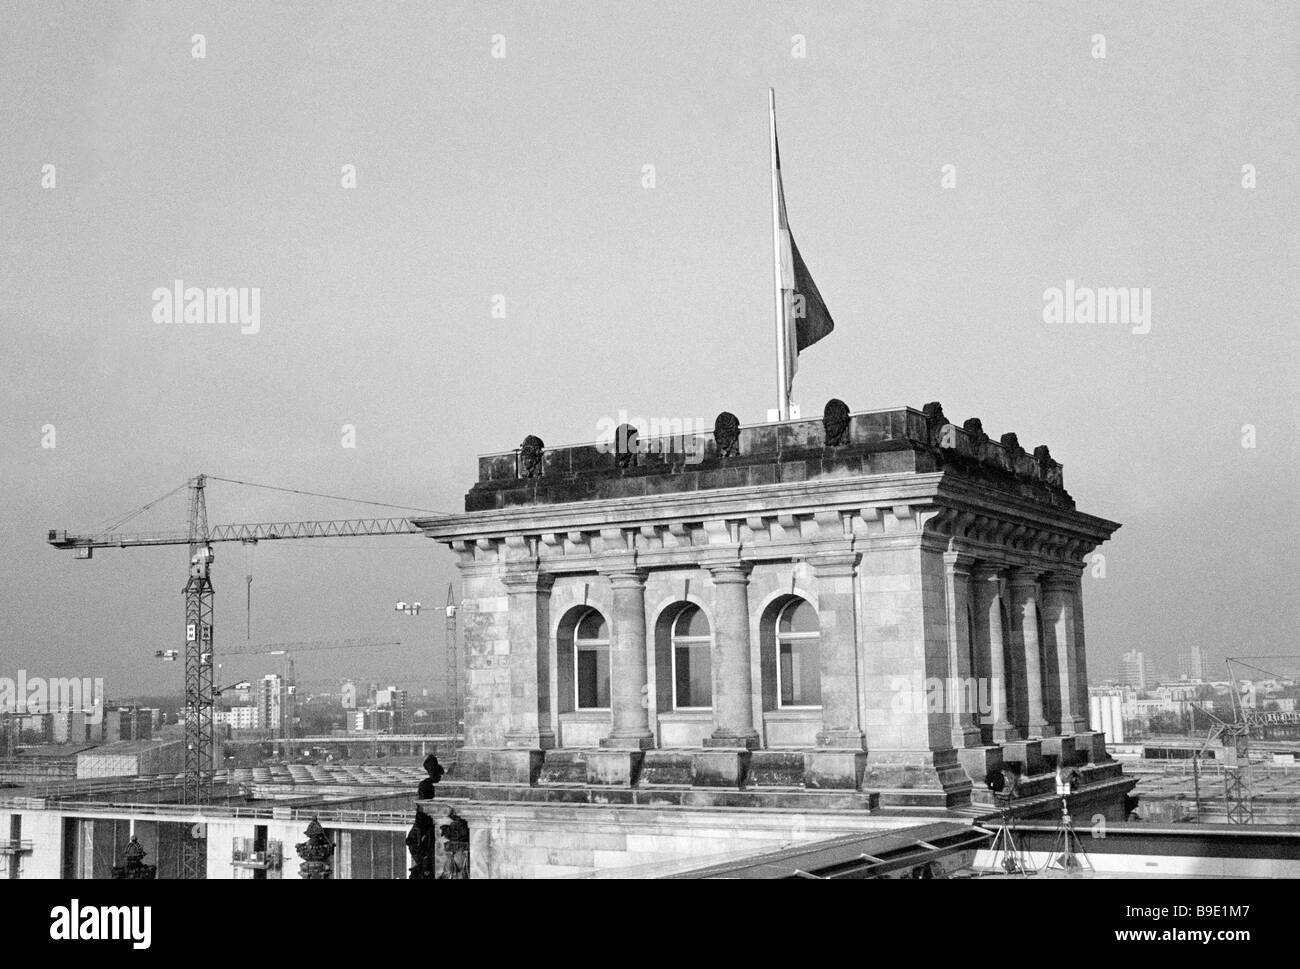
[407,359]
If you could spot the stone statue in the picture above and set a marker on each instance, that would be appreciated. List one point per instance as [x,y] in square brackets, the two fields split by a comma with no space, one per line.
[435,771]
[726,434]
[420,842]
[421,839]
[135,868]
[455,849]
[835,422]
[1050,468]
[974,429]
[627,443]
[315,852]
[531,452]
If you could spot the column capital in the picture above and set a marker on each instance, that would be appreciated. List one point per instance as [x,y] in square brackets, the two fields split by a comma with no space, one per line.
[621,566]
[837,564]
[522,583]
[729,570]
[959,561]
[985,571]
[1023,577]
[1059,582]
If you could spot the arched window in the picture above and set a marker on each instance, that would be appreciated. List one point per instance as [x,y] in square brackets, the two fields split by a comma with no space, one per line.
[692,663]
[798,655]
[591,661]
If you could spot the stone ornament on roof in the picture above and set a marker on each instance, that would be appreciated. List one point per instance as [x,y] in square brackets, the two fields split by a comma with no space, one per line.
[726,434]
[835,422]
[531,453]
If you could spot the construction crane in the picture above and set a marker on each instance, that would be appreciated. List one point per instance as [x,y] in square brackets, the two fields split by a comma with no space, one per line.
[1234,738]
[199,635]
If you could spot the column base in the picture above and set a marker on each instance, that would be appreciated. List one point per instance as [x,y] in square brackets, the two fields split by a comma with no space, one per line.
[637,742]
[745,741]
[1039,729]
[917,778]
[966,736]
[1092,744]
[539,740]
[854,740]
[1061,748]
[1027,754]
[517,765]
[979,762]
[720,768]
[613,768]
[834,769]
[1004,731]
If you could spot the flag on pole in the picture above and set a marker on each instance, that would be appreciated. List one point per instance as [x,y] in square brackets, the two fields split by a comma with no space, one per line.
[802,317]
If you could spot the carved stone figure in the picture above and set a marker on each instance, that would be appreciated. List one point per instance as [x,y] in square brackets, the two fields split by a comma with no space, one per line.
[455,847]
[627,443]
[531,452]
[421,843]
[1051,470]
[315,852]
[726,434]
[835,422]
[974,429]
[135,868]
[435,771]
[1011,443]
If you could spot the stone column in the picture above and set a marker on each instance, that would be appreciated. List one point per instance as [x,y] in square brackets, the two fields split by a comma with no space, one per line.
[1059,631]
[834,575]
[959,699]
[989,635]
[1080,650]
[529,595]
[627,661]
[733,708]
[1024,616]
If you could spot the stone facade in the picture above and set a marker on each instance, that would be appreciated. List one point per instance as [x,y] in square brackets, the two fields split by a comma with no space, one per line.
[942,571]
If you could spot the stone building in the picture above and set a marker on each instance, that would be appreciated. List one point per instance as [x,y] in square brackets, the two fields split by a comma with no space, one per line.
[883,608]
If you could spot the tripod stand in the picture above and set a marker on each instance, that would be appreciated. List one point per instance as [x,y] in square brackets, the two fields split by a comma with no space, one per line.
[1067,852]
[1006,853]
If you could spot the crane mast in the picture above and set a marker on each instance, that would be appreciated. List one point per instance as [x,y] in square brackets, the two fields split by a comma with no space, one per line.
[200,751]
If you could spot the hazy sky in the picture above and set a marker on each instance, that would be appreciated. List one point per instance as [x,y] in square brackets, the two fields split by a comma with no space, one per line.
[523,176]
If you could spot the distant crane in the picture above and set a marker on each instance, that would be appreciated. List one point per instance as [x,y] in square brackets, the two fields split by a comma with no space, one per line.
[199,641]
[1234,735]
[452,685]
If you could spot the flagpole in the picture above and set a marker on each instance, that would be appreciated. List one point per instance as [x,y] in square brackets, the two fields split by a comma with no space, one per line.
[782,400]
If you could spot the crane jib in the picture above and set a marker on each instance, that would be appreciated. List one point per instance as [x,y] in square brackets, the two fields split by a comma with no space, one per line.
[246,532]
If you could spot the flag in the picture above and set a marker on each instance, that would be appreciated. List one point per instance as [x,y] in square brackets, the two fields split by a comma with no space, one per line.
[805,319]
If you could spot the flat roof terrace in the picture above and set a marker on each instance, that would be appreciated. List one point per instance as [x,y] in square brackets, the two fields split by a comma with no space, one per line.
[632,463]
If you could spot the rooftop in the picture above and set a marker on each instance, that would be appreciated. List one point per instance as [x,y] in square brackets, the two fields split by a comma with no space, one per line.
[635,461]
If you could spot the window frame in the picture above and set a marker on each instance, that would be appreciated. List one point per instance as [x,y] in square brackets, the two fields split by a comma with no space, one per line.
[674,640]
[592,645]
[783,637]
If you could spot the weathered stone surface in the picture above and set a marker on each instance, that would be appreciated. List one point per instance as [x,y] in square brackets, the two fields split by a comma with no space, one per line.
[515,766]
[777,768]
[719,768]
[835,769]
[666,768]
[617,768]
[1026,754]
